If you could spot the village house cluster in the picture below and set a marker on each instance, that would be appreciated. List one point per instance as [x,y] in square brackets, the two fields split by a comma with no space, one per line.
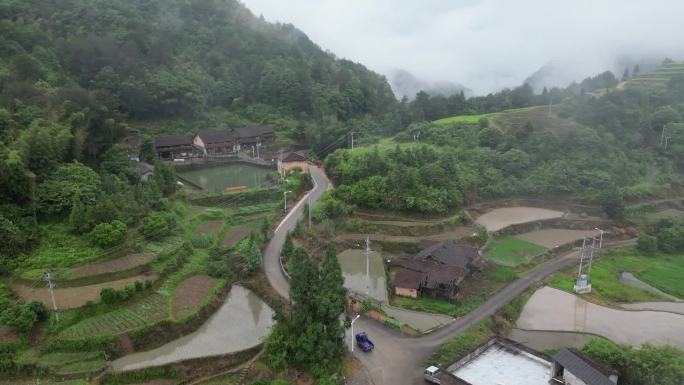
[228,141]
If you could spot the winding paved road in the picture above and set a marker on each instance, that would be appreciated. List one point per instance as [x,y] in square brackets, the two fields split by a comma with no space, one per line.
[272,267]
[397,359]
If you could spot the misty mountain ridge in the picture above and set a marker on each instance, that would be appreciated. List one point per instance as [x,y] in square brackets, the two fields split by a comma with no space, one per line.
[405,84]
[562,74]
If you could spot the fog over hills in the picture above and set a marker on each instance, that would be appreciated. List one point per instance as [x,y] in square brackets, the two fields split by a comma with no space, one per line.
[488,44]
[405,84]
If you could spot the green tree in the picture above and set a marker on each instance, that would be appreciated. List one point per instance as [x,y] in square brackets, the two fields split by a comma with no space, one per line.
[647,243]
[108,234]
[157,225]
[147,152]
[613,203]
[57,194]
[165,177]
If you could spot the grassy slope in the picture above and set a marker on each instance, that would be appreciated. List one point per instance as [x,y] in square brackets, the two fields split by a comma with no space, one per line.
[469,119]
[662,271]
[512,251]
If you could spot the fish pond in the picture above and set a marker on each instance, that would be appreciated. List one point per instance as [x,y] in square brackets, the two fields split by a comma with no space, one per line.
[226,177]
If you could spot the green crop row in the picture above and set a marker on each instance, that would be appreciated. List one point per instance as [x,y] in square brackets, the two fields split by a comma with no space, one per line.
[149,309]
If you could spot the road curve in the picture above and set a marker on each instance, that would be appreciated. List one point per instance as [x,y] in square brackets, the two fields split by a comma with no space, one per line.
[397,358]
[271,259]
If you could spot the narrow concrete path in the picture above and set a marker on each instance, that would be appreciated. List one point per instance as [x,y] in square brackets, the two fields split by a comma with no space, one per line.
[272,264]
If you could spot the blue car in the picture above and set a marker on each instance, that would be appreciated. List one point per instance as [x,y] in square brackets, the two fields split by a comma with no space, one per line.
[363,342]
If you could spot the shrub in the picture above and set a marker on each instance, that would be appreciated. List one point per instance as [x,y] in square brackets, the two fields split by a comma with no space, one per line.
[156,225]
[330,207]
[202,241]
[138,286]
[108,295]
[647,243]
[352,225]
[108,234]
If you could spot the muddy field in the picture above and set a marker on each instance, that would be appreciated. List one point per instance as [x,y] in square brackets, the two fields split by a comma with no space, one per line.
[236,233]
[73,297]
[115,265]
[209,227]
[550,238]
[555,310]
[190,293]
[500,218]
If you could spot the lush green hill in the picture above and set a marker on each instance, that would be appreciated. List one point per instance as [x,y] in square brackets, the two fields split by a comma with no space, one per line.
[186,64]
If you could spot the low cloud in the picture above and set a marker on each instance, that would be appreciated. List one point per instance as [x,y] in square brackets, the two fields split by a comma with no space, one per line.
[487,44]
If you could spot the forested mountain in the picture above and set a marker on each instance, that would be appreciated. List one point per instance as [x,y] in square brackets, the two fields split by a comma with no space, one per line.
[91,65]
[76,75]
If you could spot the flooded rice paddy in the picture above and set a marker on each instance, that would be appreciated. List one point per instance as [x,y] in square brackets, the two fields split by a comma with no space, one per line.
[217,178]
[551,309]
[239,324]
[500,218]
[353,263]
[544,340]
[550,238]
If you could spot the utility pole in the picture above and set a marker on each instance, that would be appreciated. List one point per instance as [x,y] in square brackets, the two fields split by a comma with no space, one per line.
[667,139]
[308,204]
[662,136]
[285,199]
[258,145]
[352,332]
[352,139]
[579,272]
[51,285]
[591,258]
[282,166]
[367,265]
[600,239]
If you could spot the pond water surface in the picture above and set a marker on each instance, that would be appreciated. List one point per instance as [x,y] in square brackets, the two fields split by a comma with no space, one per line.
[239,324]
[217,178]
[353,263]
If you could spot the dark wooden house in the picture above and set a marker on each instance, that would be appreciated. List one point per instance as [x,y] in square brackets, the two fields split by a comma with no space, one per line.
[174,147]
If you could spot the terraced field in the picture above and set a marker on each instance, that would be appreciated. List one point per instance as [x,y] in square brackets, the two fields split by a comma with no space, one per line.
[115,265]
[657,79]
[236,233]
[148,310]
[73,297]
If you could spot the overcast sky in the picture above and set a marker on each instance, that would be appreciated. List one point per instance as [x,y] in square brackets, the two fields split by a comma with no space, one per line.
[485,44]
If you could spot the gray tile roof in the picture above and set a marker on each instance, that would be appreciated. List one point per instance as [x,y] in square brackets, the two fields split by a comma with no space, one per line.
[581,368]
[172,141]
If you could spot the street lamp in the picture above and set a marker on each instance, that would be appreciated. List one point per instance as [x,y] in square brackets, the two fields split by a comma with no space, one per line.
[601,238]
[352,332]
[285,198]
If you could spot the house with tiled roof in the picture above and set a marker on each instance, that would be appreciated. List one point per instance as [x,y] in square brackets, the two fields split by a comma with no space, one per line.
[438,270]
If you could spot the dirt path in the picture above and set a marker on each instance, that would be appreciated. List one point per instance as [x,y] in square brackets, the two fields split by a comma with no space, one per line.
[556,310]
[457,233]
[190,293]
[74,297]
[500,218]
[120,264]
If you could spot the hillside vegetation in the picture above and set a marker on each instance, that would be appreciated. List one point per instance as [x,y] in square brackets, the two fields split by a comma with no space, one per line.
[598,148]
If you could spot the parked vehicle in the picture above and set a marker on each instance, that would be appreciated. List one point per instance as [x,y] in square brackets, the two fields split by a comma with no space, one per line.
[363,342]
[431,374]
